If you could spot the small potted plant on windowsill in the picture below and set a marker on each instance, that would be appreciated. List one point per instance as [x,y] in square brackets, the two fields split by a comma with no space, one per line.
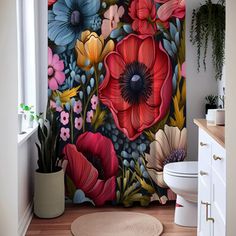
[211,102]
[28,115]
[49,192]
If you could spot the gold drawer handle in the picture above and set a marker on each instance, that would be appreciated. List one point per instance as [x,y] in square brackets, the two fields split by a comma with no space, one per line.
[217,158]
[203,173]
[207,204]
[203,144]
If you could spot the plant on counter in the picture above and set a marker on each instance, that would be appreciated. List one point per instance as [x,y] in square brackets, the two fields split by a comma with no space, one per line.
[208,22]
[211,102]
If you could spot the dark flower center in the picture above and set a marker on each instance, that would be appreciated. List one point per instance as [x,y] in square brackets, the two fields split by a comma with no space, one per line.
[96,162]
[175,156]
[136,83]
[75,17]
[51,71]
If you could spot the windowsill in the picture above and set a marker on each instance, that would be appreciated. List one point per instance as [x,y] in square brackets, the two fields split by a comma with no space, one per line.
[26,135]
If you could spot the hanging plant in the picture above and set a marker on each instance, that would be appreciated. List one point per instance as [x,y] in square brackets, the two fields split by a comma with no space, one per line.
[208,22]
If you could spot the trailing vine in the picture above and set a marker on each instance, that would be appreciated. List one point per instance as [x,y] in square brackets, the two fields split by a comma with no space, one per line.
[208,22]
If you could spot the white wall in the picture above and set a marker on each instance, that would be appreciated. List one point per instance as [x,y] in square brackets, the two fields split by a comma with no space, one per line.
[198,84]
[230,117]
[8,119]
[27,156]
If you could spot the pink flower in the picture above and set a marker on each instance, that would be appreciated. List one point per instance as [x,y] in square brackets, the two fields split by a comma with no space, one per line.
[65,133]
[94,101]
[89,116]
[55,70]
[183,70]
[112,18]
[171,8]
[64,118]
[78,123]
[78,107]
[54,106]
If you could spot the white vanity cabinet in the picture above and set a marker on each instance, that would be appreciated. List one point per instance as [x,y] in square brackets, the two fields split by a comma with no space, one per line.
[211,180]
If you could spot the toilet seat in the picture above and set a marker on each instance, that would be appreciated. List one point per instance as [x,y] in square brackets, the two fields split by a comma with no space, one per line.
[187,169]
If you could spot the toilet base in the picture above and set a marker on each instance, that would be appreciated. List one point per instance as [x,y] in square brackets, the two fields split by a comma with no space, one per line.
[185,212]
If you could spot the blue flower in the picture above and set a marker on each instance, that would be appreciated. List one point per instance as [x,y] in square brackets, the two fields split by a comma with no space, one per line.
[68,18]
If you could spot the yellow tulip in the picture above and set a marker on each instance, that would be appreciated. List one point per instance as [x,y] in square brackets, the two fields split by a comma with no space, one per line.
[66,95]
[91,49]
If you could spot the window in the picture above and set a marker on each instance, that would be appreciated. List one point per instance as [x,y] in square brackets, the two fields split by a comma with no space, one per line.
[27,70]
[26,52]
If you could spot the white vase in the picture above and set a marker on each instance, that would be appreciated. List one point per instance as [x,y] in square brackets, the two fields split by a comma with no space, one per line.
[29,120]
[20,122]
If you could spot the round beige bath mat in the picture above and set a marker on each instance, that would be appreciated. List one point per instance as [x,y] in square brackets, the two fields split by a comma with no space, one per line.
[116,224]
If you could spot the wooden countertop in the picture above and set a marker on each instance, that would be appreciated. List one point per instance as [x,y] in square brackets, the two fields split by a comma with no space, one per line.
[216,132]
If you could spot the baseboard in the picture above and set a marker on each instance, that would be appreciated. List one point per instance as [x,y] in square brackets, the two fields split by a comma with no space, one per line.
[25,220]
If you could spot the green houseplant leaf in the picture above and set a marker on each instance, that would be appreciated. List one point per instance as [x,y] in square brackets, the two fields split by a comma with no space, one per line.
[208,23]
[48,161]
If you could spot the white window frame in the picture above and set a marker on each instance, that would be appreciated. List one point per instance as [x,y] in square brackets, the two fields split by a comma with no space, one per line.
[27,81]
[27,60]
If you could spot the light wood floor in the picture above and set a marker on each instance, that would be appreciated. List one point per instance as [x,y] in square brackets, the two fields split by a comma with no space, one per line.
[61,225]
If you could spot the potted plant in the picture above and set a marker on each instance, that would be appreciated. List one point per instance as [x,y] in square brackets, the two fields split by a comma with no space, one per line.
[28,114]
[49,189]
[208,23]
[211,102]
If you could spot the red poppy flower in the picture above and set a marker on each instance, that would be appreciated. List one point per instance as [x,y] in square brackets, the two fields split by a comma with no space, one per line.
[138,84]
[93,166]
[143,12]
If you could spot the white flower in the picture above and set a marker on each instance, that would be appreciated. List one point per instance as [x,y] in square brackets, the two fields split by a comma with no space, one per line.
[169,146]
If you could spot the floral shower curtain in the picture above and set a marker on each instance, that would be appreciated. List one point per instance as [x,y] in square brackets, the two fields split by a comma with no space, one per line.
[117,83]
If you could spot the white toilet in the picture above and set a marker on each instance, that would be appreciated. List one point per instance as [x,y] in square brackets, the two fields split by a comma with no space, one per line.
[182,179]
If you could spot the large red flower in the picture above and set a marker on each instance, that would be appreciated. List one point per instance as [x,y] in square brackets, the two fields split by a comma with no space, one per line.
[143,12]
[93,166]
[138,84]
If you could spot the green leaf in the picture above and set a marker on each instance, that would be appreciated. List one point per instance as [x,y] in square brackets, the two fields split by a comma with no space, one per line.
[131,189]
[26,108]
[181,51]
[118,180]
[98,118]
[179,119]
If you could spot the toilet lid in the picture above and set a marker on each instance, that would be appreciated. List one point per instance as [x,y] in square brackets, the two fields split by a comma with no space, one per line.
[182,168]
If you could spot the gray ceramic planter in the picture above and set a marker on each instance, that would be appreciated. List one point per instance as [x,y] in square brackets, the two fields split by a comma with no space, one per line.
[49,194]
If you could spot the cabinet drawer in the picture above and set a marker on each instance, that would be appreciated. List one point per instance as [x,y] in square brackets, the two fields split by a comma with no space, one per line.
[218,160]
